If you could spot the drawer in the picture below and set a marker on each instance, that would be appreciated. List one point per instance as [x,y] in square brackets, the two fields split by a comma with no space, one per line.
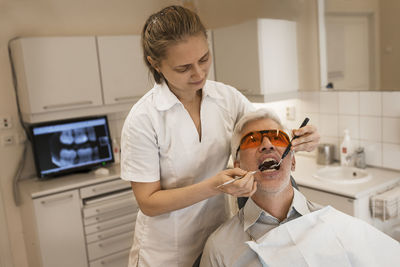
[104,188]
[110,232]
[110,205]
[119,259]
[110,215]
[110,245]
[114,222]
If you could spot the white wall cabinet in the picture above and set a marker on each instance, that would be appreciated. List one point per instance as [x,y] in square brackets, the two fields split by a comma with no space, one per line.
[60,230]
[65,77]
[124,74]
[56,73]
[259,58]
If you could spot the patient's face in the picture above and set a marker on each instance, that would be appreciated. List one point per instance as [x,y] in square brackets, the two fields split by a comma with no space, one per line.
[272,181]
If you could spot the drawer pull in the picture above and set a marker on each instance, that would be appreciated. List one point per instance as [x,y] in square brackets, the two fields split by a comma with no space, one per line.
[48,201]
[110,242]
[114,258]
[108,188]
[125,98]
[127,204]
[68,105]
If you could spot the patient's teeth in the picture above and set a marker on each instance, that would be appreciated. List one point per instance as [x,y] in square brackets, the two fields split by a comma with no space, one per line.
[80,136]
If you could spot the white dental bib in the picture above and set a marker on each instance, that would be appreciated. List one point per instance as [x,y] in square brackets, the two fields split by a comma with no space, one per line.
[326,237]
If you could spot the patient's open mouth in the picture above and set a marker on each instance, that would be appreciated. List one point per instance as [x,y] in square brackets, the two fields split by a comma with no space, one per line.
[269,164]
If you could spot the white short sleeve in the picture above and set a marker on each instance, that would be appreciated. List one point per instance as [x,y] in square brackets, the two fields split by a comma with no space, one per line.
[139,149]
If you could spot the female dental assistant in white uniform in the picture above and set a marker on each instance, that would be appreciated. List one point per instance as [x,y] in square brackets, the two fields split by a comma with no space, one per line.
[176,144]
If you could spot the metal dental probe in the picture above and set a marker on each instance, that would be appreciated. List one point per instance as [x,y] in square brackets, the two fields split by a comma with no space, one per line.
[235,179]
[289,146]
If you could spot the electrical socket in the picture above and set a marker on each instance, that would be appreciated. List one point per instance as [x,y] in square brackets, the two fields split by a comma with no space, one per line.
[5,122]
[290,113]
[8,140]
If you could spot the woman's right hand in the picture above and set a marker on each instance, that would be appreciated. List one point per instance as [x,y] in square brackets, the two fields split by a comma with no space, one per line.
[244,187]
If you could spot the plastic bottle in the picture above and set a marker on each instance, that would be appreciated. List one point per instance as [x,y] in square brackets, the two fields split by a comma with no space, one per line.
[345,149]
[116,150]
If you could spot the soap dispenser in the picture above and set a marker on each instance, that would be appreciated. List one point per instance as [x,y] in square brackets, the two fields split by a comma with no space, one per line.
[345,149]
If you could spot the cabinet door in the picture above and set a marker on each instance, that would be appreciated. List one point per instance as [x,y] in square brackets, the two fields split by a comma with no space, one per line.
[341,203]
[60,230]
[57,73]
[124,74]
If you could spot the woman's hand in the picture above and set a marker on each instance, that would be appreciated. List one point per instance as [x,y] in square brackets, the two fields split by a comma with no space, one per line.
[308,138]
[244,187]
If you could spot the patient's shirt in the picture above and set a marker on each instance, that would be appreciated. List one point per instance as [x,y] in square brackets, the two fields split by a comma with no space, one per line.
[310,237]
[227,247]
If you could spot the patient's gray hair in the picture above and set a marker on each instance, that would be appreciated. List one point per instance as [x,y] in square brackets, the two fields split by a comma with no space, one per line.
[259,114]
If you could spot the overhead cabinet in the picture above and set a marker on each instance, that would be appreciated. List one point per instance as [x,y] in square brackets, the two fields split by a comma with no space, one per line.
[123,72]
[56,73]
[62,77]
[259,58]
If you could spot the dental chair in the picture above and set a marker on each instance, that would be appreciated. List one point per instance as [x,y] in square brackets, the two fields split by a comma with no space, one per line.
[241,201]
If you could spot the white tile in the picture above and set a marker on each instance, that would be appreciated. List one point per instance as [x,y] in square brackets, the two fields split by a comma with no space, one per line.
[371,128]
[371,103]
[328,102]
[373,153]
[309,101]
[391,130]
[349,103]
[391,156]
[329,125]
[350,123]
[391,104]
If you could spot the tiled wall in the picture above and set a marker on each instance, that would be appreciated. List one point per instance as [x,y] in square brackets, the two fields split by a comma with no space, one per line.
[373,119]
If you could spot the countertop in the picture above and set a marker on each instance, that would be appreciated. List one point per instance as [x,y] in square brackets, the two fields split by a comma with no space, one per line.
[39,188]
[306,166]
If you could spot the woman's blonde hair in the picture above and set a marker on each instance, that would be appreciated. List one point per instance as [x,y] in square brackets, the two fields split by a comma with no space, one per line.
[165,28]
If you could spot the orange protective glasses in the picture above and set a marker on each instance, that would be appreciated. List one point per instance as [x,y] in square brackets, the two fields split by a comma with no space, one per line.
[254,139]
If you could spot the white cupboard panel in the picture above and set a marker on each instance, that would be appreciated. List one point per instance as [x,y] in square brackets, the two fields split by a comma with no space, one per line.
[60,230]
[56,73]
[124,74]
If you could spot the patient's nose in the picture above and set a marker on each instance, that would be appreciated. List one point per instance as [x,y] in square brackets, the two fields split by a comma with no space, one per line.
[266,144]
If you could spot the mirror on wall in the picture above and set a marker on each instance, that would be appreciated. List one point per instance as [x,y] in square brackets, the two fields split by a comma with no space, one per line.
[359,44]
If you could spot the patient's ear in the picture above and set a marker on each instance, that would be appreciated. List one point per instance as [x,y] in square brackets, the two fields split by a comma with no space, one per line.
[236,164]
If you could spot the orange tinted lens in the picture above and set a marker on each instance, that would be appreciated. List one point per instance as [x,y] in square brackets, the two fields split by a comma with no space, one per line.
[254,139]
[278,138]
[251,140]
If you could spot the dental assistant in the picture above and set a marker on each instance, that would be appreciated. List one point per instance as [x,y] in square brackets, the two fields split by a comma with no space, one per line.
[176,144]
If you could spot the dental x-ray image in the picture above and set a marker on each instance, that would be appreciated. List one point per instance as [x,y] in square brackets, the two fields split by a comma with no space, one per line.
[63,147]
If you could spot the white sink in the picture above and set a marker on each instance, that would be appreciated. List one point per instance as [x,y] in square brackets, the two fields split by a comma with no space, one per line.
[343,175]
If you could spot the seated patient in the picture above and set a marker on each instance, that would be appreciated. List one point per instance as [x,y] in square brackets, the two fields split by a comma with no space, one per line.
[278,226]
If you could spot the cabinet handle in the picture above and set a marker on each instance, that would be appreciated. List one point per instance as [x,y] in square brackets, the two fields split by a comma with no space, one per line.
[107,188]
[48,201]
[125,236]
[114,258]
[123,206]
[68,105]
[125,98]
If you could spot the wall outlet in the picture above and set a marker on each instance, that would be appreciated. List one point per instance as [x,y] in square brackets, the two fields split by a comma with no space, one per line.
[8,140]
[5,122]
[291,113]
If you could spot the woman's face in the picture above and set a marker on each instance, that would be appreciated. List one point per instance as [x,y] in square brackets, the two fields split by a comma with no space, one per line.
[187,64]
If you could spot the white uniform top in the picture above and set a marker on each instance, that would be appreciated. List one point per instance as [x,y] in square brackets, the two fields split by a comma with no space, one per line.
[160,143]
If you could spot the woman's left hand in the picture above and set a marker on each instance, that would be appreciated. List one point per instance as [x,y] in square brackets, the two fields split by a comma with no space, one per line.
[307,140]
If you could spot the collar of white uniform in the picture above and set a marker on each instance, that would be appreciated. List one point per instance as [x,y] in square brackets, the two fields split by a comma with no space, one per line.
[251,211]
[165,99]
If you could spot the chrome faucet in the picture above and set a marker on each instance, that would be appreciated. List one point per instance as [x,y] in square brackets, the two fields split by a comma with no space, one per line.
[359,158]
